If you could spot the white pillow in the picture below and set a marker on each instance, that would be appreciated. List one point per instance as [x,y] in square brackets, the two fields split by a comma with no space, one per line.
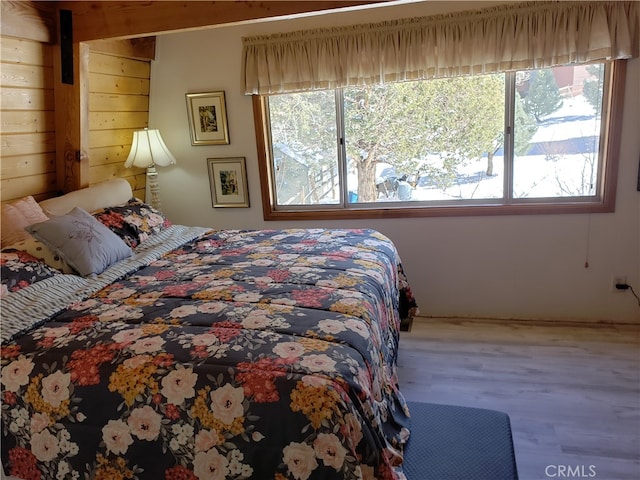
[111,193]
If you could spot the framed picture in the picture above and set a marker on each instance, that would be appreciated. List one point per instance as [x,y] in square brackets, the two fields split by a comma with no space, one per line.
[228,181]
[207,118]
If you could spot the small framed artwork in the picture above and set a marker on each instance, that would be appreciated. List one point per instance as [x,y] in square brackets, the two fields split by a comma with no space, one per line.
[207,118]
[228,181]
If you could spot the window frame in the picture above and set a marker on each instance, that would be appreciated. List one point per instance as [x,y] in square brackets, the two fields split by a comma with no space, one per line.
[605,203]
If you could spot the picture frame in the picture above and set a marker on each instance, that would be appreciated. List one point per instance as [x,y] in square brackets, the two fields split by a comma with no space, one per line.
[228,182]
[208,118]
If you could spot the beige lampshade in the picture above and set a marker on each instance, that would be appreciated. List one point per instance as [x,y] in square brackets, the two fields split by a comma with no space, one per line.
[148,149]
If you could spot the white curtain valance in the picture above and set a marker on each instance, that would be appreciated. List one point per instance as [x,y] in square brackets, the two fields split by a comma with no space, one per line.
[510,37]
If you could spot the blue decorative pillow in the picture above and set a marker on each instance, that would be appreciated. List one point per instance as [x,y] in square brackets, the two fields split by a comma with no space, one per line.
[80,240]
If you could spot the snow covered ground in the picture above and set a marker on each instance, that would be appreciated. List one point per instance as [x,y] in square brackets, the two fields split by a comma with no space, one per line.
[560,162]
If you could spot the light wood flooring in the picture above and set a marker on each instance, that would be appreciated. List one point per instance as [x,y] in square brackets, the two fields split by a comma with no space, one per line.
[572,391]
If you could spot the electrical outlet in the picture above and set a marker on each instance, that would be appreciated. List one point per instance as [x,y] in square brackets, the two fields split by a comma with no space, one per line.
[617,279]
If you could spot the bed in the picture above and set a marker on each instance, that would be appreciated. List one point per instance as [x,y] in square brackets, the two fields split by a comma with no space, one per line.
[186,353]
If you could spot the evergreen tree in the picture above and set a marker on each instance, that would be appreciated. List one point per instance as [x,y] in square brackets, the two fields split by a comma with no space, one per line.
[525,128]
[543,97]
[402,123]
[456,118]
[593,87]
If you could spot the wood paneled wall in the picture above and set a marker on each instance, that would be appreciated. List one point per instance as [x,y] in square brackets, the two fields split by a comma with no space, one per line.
[43,151]
[118,105]
[28,155]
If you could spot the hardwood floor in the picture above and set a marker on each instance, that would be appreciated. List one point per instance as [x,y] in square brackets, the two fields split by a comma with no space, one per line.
[572,391]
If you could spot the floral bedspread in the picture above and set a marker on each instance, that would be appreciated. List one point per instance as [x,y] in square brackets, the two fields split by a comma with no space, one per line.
[241,354]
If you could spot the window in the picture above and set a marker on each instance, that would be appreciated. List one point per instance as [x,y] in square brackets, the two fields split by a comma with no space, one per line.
[536,141]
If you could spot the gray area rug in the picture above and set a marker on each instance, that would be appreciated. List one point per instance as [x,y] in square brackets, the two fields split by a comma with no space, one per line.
[459,443]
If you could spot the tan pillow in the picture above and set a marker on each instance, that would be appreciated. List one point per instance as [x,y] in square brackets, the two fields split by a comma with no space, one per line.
[111,193]
[13,224]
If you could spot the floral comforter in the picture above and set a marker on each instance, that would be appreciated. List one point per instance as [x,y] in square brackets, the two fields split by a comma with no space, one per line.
[240,354]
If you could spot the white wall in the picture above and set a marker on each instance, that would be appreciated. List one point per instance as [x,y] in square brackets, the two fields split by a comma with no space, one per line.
[525,267]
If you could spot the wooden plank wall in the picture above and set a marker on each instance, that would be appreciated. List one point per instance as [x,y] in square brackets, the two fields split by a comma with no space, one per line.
[118,84]
[118,105]
[27,135]
[118,87]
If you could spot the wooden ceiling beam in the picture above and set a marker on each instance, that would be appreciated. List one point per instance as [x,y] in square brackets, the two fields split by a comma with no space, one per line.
[95,20]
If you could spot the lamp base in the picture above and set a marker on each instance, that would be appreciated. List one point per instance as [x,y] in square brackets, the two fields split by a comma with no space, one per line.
[154,188]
